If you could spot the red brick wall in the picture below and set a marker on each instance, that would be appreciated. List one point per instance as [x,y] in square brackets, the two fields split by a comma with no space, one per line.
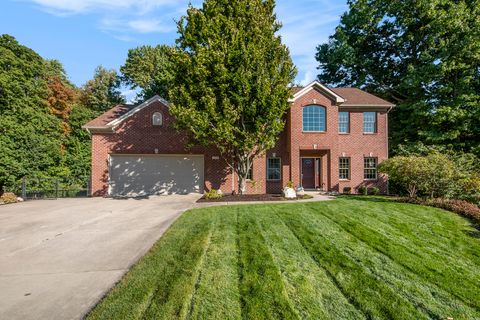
[137,135]
[331,145]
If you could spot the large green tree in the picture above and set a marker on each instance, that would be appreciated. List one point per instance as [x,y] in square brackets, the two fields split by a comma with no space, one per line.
[103,91]
[30,134]
[231,76]
[422,55]
[149,70]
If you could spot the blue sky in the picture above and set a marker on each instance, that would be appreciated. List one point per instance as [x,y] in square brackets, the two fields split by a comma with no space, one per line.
[83,34]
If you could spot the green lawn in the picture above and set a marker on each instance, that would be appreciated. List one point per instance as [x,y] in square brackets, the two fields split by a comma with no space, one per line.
[351,258]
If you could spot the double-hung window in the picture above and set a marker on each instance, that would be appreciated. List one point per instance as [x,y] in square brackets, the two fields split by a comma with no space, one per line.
[274,171]
[369,168]
[369,122]
[344,168]
[314,119]
[344,122]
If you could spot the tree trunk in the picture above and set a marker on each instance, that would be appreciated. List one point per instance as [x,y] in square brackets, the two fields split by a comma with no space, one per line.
[243,167]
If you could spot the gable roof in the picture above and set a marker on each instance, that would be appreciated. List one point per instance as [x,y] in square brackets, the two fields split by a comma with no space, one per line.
[320,87]
[355,97]
[113,117]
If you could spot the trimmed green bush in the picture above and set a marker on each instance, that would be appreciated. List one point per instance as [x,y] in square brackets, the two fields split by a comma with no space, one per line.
[363,190]
[347,190]
[374,190]
[461,207]
[213,194]
[435,175]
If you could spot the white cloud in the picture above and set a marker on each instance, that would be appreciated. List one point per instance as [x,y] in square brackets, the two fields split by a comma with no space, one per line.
[144,25]
[82,6]
[306,23]
[147,26]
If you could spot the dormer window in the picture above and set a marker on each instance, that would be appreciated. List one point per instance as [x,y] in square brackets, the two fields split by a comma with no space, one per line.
[314,119]
[157,119]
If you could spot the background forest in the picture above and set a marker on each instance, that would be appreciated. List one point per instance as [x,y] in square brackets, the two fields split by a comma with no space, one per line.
[424,56]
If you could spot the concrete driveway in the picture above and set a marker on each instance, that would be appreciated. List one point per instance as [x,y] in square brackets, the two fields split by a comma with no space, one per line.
[59,257]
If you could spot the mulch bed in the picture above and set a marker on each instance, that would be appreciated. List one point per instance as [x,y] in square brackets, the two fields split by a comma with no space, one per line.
[252,197]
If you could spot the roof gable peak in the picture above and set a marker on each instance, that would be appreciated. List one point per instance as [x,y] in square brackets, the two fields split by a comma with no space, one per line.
[320,87]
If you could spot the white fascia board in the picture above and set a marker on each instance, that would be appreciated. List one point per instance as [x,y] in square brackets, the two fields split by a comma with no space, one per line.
[141,106]
[317,85]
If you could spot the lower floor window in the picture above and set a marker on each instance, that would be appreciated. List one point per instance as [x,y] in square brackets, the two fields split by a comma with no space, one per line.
[273,169]
[344,168]
[370,168]
[250,173]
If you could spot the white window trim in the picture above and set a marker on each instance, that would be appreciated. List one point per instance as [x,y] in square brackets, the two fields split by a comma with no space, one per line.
[375,128]
[348,123]
[376,169]
[325,122]
[349,169]
[156,113]
[280,165]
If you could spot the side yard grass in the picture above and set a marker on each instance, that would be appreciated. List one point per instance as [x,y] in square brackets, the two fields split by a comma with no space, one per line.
[351,258]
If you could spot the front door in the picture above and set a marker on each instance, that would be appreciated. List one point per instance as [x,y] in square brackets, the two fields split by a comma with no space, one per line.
[308,173]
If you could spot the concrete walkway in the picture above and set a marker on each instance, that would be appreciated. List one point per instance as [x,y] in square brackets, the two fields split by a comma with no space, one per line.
[59,257]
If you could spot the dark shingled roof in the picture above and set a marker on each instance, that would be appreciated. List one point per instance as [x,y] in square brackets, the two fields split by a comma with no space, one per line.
[355,96]
[352,96]
[110,115]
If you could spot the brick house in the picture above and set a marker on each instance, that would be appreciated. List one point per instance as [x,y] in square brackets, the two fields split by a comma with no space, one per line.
[333,138]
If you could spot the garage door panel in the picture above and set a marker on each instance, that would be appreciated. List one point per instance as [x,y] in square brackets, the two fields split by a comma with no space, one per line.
[159,174]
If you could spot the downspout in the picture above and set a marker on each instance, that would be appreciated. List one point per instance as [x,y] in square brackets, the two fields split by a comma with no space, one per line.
[233,176]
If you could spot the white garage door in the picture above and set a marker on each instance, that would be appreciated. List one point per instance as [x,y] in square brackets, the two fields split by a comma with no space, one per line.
[139,175]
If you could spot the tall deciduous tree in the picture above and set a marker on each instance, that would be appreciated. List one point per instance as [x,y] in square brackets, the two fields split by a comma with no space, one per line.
[231,77]
[102,92]
[422,55]
[30,135]
[149,69]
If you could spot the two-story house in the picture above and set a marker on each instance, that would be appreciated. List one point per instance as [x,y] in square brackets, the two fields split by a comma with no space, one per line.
[333,138]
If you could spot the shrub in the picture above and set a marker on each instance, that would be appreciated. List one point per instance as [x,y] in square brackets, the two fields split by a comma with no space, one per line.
[461,207]
[9,197]
[434,175]
[363,190]
[347,190]
[213,194]
[374,190]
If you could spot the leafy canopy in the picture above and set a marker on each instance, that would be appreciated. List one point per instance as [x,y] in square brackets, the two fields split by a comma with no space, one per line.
[149,69]
[231,77]
[422,55]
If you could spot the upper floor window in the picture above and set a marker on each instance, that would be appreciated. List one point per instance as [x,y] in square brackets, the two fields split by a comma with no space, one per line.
[344,122]
[157,119]
[369,122]
[314,118]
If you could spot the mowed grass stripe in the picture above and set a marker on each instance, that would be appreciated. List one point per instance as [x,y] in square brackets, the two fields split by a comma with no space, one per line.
[361,287]
[163,277]
[217,294]
[460,282]
[261,287]
[453,230]
[433,300]
[308,285]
